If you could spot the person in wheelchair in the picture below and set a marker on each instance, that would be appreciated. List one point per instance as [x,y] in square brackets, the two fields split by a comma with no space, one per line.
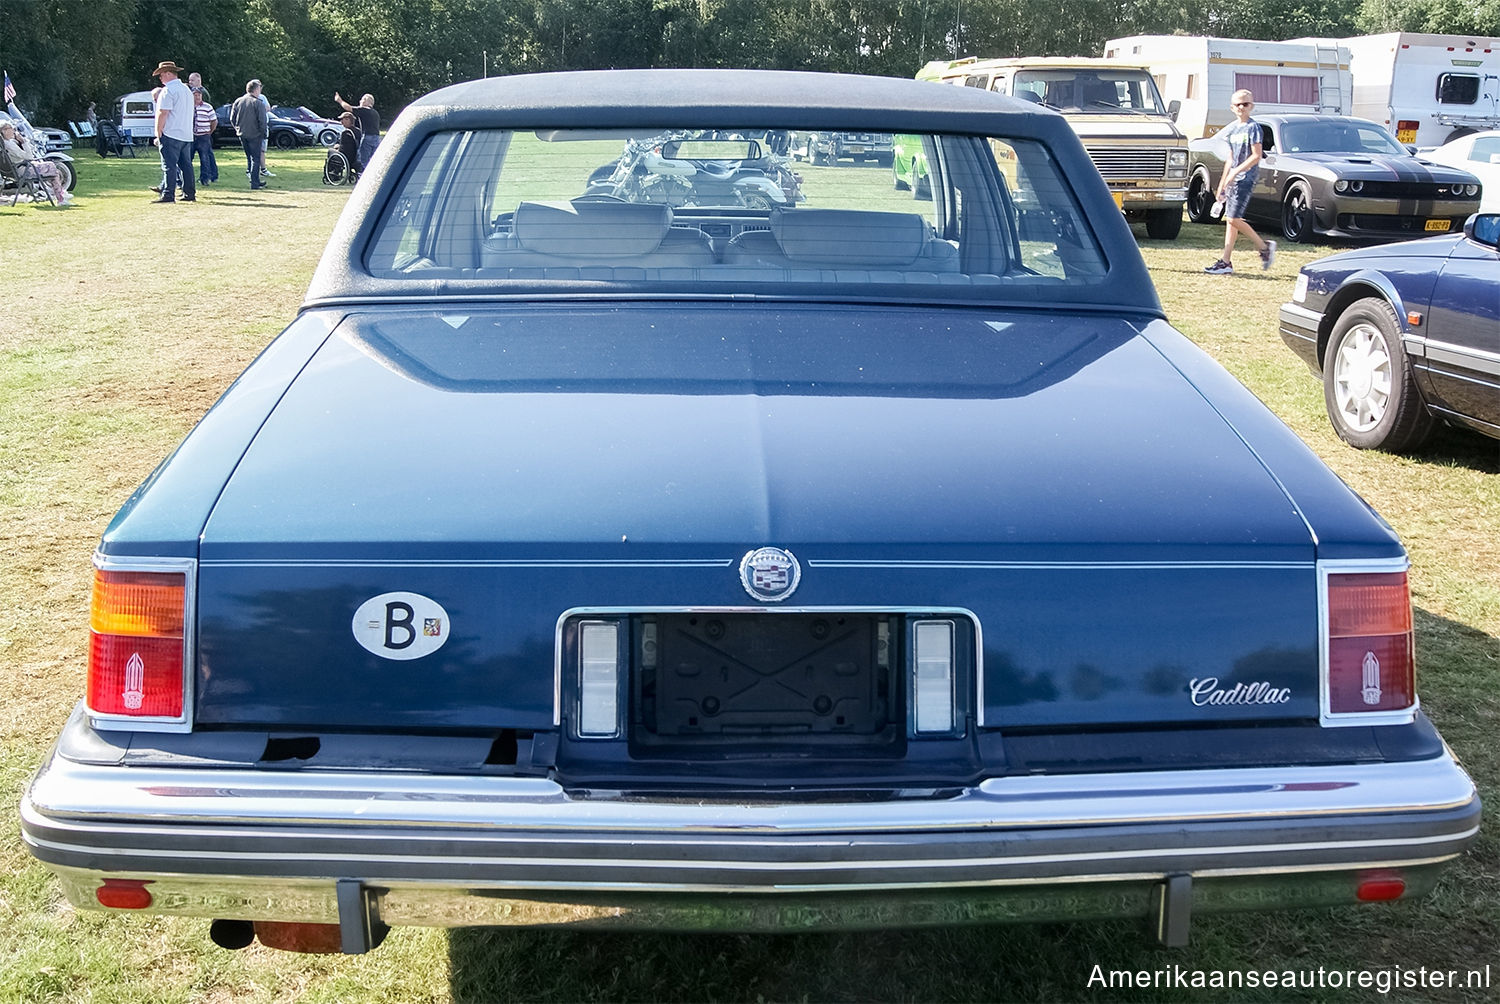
[342,165]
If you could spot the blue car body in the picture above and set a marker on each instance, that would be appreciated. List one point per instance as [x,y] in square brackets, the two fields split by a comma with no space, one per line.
[918,593]
[1444,300]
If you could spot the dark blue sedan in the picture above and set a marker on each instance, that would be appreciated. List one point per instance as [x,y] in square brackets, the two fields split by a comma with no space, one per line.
[651,559]
[1404,336]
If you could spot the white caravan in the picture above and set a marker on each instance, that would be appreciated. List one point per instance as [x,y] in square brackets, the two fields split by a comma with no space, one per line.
[1426,89]
[136,111]
[1199,73]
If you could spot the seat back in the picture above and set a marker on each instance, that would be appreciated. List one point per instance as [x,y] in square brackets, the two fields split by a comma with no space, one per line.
[628,234]
[844,238]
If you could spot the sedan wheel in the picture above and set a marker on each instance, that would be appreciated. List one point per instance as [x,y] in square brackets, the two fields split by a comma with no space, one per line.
[1297,214]
[1368,387]
[284,140]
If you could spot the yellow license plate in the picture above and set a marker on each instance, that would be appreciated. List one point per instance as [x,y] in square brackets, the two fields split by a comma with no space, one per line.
[1406,135]
[1439,224]
[1119,199]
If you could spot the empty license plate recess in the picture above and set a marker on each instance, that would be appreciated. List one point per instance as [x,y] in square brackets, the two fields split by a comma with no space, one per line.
[725,679]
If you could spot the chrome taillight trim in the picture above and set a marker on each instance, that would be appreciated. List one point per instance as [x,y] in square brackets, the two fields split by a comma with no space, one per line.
[188,567]
[1327,717]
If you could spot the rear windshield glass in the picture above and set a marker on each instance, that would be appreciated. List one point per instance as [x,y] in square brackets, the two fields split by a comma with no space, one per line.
[717,210]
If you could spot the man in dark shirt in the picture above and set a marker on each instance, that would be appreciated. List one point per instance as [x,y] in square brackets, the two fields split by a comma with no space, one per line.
[369,124]
[248,116]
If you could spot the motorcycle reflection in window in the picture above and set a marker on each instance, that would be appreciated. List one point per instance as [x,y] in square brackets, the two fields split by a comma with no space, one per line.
[701,169]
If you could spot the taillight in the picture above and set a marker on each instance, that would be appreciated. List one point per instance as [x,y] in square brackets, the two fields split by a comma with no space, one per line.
[138,644]
[1371,662]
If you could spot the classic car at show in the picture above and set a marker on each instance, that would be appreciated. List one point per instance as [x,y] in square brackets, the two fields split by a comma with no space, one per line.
[1404,336]
[1339,176]
[575,558]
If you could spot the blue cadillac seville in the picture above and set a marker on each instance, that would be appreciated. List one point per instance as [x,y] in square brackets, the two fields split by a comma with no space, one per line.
[610,548]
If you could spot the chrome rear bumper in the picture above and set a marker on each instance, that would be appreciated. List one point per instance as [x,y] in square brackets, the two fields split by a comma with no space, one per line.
[433,850]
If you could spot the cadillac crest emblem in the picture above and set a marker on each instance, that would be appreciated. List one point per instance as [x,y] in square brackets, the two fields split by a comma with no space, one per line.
[770,574]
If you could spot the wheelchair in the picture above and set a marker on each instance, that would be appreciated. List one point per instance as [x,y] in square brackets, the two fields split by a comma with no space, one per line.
[337,170]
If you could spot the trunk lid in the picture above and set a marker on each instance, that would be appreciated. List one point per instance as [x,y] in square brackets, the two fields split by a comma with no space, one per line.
[1113,536]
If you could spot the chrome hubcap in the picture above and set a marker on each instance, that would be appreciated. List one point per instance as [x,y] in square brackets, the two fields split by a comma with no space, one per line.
[1362,377]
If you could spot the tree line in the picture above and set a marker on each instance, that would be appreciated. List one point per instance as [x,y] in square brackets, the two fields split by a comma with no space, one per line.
[62,54]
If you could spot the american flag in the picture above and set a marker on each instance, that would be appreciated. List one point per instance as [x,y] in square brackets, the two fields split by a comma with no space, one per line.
[10,89]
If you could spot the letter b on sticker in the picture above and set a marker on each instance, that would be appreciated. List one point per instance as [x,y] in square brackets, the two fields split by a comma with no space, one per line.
[401,625]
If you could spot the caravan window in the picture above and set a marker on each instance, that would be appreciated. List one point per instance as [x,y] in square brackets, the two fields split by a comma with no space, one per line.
[1274,89]
[1457,88]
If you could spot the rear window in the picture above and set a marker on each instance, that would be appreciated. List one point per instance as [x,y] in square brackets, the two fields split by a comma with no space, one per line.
[718,210]
[1457,88]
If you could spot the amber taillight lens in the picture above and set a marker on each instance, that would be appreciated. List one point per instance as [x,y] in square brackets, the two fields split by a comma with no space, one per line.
[1371,659]
[136,644]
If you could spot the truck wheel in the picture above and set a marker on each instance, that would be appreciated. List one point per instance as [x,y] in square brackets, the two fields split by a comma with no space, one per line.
[1368,387]
[1164,224]
[1200,199]
[1297,214]
[1459,134]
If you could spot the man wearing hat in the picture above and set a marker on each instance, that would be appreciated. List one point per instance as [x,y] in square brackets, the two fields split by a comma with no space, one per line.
[174,134]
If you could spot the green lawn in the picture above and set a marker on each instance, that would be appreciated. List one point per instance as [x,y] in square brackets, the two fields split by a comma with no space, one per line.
[125,320]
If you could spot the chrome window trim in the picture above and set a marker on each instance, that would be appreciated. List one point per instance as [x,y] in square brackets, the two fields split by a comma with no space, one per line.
[1327,717]
[159,723]
[951,612]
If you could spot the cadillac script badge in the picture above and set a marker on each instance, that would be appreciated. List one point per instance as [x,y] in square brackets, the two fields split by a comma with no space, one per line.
[770,574]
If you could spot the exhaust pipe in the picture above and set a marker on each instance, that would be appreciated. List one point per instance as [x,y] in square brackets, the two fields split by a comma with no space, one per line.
[232,934]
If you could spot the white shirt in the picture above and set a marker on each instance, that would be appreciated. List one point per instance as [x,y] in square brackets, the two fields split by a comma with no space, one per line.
[178,101]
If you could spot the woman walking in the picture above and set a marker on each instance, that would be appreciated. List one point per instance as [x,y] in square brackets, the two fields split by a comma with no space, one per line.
[1240,169]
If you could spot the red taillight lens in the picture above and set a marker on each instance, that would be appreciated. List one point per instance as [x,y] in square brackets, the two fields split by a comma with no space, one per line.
[1371,663]
[124,894]
[136,644]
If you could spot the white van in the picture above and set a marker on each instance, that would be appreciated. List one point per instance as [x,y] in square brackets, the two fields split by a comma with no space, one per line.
[136,111]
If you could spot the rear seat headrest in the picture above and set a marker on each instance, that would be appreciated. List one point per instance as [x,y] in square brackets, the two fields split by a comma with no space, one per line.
[838,236]
[591,229]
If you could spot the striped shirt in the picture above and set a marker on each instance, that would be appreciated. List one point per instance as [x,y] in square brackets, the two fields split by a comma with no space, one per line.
[205,119]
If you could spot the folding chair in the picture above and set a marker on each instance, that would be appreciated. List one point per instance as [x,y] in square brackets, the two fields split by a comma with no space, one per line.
[115,141]
[23,182]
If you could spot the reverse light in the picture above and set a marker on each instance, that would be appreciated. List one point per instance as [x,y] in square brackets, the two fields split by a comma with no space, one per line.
[932,676]
[138,644]
[1299,289]
[1371,665]
[599,680]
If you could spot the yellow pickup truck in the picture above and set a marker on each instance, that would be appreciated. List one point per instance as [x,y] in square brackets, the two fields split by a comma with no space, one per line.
[1116,111]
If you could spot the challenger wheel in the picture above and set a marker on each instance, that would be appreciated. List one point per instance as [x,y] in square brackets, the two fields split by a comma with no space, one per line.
[1200,199]
[1297,214]
[1368,386]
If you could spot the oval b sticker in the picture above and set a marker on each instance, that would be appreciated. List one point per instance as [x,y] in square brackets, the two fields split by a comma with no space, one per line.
[401,625]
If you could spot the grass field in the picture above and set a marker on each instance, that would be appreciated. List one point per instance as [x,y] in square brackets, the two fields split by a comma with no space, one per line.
[124,321]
